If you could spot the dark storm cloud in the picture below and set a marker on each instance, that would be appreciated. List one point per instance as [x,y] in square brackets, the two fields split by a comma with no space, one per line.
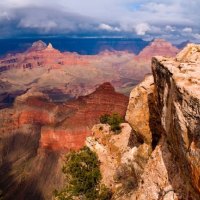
[172,19]
[37,20]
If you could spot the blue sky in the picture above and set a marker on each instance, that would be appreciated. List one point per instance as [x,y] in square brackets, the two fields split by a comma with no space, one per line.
[174,20]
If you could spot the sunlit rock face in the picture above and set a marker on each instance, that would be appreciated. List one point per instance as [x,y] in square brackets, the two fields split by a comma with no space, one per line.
[177,88]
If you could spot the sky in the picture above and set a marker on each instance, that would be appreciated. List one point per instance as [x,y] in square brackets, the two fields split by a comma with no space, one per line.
[174,20]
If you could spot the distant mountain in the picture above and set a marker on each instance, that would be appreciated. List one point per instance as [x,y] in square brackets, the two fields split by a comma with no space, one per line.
[84,46]
[158,47]
[69,75]
[37,46]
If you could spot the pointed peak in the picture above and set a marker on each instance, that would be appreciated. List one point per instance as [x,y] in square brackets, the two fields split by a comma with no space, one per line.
[49,46]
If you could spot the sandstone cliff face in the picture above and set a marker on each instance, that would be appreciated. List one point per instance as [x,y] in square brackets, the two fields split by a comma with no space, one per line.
[143,114]
[177,89]
[172,171]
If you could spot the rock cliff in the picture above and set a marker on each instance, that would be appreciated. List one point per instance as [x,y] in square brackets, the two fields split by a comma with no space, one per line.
[163,113]
[177,89]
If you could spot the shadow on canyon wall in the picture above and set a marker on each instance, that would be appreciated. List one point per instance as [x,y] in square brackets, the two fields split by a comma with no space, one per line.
[26,172]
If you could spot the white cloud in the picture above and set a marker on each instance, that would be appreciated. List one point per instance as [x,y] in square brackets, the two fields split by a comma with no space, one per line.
[142,28]
[170,28]
[187,30]
[196,36]
[43,24]
[107,27]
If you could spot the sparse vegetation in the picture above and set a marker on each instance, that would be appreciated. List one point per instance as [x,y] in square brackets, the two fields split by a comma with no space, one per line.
[113,120]
[83,177]
[127,176]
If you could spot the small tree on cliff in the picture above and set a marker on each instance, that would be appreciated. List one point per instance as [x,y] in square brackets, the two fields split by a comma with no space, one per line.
[113,120]
[83,177]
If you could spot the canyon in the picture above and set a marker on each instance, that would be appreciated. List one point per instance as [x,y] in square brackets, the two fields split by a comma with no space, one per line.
[50,101]
[65,75]
[36,134]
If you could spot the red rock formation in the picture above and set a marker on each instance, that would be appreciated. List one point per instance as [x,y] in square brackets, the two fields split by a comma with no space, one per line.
[70,74]
[57,140]
[40,55]
[80,116]
[65,126]
[35,133]
[158,47]
[35,117]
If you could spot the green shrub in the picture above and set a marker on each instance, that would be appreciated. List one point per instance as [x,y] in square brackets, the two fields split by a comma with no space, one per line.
[113,120]
[83,177]
[104,119]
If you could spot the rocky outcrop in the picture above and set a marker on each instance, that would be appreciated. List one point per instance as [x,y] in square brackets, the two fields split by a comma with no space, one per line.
[122,158]
[163,113]
[37,46]
[177,89]
[142,112]
[112,150]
